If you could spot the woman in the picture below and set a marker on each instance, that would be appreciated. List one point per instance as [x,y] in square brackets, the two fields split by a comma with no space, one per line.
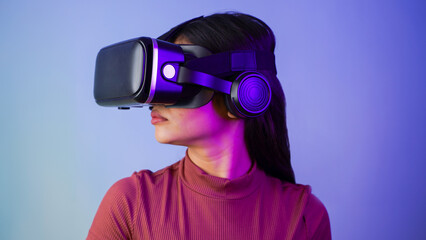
[236,180]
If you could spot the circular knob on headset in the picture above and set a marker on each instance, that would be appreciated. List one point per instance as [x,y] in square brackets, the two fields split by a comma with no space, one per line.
[250,95]
[169,71]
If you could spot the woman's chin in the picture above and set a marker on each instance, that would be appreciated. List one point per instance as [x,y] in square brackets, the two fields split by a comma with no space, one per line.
[165,137]
[162,138]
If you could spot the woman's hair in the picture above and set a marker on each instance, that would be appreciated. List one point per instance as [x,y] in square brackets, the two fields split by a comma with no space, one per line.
[266,136]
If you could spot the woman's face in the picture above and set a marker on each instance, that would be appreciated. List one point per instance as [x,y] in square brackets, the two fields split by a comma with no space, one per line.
[209,124]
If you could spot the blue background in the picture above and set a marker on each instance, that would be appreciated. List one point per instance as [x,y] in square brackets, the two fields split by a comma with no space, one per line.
[354,73]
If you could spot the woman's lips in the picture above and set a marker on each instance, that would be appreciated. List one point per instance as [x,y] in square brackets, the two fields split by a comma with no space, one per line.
[157,118]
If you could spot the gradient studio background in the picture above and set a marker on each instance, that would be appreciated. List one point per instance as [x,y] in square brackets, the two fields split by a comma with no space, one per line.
[354,73]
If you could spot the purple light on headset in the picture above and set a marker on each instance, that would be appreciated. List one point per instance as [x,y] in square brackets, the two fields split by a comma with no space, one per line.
[253,94]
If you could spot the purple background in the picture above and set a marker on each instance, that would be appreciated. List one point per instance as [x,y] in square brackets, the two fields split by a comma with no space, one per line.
[354,73]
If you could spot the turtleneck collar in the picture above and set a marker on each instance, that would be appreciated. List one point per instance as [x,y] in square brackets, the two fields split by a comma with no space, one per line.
[198,180]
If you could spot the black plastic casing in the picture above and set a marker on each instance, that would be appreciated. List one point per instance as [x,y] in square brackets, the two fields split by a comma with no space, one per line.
[128,74]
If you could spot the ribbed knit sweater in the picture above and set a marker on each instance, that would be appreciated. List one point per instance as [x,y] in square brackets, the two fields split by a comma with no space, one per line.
[184,202]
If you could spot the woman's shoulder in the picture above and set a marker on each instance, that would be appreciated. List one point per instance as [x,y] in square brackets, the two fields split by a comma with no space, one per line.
[304,193]
[129,187]
[296,188]
[119,207]
[147,177]
[144,176]
[289,191]
[314,213]
[306,206]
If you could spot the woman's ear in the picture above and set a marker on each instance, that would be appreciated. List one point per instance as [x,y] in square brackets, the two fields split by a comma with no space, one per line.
[230,115]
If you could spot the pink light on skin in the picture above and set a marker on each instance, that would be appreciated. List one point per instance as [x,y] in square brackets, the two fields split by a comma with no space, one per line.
[214,137]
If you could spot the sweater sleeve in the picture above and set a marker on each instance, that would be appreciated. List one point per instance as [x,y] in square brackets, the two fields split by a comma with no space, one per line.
[317,220]
[115,216]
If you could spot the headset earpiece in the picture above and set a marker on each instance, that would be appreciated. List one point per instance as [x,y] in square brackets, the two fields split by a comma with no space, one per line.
[250,95]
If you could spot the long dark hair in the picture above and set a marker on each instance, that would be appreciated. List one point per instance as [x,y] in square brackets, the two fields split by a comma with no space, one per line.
[266,136]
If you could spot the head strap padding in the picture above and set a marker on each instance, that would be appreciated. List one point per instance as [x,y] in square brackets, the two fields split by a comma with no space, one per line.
[227,63]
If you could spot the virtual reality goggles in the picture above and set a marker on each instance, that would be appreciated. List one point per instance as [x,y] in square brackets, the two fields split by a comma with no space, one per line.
[147,71]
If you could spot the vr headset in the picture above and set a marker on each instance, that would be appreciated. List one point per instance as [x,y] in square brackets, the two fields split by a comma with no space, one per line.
[147,71]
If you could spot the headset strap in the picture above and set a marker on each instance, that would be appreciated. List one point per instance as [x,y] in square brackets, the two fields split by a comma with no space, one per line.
[190,76]
[226,63]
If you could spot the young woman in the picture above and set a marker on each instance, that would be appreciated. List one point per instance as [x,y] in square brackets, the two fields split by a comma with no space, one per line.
[236,180]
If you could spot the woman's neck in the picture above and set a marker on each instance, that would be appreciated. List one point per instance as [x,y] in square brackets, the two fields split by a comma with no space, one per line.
[225,158]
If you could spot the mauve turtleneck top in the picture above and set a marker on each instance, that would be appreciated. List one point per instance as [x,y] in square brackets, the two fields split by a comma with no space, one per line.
[184,202]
